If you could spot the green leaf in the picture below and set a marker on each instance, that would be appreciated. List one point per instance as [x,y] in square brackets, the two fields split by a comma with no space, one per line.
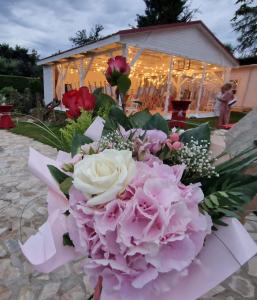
[77,141]
[66,240]
[57,174]
[98,91]
[219,222]
[118,116]
[214,200]
[202,132]
[62,179]
[208,203]
[139,119]
[228,213]
[103,100]
[157,122]
[66,185]
[123,84]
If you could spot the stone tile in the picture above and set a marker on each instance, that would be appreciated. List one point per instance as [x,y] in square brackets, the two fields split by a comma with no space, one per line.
[242,286]
[252,267]
[12,245]
[3,252]
[49,291]
[75,293]
[217,290]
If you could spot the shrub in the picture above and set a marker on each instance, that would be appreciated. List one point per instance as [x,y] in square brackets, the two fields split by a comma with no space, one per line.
[79,126]
[22,102]
[20,83]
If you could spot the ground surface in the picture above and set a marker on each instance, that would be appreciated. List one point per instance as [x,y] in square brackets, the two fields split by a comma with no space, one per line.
[18,280]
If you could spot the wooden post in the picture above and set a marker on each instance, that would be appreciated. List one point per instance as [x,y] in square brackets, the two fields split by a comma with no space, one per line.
[199,98]
[169,86]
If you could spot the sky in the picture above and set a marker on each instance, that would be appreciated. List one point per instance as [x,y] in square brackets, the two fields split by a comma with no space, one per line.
[46,25]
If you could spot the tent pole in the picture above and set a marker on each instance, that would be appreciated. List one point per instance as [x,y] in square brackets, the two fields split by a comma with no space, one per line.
[125,50]
[227,75]
[136,57]
[169,86]
[199,98]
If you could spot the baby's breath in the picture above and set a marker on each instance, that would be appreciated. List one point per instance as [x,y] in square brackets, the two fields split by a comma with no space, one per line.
[198,159]
[114,140]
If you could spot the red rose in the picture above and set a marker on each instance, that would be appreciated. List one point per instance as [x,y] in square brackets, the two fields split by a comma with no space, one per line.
[87,100]
[76,100]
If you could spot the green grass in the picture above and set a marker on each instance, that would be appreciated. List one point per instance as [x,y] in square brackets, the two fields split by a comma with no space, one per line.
[51,138]
[234,117]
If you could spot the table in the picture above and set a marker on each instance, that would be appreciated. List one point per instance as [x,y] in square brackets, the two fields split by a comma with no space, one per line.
[5,117]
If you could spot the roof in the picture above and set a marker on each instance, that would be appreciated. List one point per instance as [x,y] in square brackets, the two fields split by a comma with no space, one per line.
[115,37]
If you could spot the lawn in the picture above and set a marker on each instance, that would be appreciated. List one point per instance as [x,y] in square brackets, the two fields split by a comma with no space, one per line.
[234,118]
[53,137]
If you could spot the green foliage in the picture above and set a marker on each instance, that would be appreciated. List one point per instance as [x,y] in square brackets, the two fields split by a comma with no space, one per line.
[139,119]
[227,194]
[165,12]
[66,240]
[103,104]
[44,133]
[157,122]
[61,178]
[22,102]
[82,38]
[20,83]
[123,84]
[18,61]
[200,134]
[244,22]
[76,126]
[77,141]
[119,117]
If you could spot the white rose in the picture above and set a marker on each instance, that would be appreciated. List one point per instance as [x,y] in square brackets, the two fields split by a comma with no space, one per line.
[100,177]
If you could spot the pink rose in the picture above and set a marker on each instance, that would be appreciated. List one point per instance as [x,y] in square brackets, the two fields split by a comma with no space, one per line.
[117,66]
[174,137]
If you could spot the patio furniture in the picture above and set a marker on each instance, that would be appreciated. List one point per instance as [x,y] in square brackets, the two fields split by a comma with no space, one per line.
[179,108]
[5,117]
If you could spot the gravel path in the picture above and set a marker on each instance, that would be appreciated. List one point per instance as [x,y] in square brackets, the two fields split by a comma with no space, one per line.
[18,280]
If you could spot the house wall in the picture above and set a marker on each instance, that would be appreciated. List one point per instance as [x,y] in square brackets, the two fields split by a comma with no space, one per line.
[186,42]
[247,86]
[49,86]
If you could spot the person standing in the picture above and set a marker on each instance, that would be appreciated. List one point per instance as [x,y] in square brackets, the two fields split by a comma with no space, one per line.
[225,99]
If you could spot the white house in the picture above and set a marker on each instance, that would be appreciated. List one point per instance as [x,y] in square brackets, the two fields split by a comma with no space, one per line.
[182,61]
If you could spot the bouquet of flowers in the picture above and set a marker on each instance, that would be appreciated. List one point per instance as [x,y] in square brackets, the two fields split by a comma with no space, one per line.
[149,207]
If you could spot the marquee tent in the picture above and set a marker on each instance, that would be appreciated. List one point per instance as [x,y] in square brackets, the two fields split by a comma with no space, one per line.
[175,61]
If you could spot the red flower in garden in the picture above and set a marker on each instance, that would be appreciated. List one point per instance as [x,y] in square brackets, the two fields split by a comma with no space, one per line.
[117,66]
[76,100]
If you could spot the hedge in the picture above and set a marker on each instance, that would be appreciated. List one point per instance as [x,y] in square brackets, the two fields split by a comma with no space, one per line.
[21,82]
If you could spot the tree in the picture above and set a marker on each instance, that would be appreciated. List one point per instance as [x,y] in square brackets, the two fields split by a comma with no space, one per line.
[229,47]
[18,61]
[82,38]
[165,12]
[245,23]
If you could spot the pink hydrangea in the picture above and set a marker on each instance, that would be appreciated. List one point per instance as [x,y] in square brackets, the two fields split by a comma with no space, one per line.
[150,235]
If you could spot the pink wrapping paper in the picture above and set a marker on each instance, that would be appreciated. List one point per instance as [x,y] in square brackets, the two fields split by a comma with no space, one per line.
[225,251]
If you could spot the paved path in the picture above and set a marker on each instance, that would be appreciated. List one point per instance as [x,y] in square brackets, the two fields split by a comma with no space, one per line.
[18,280]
